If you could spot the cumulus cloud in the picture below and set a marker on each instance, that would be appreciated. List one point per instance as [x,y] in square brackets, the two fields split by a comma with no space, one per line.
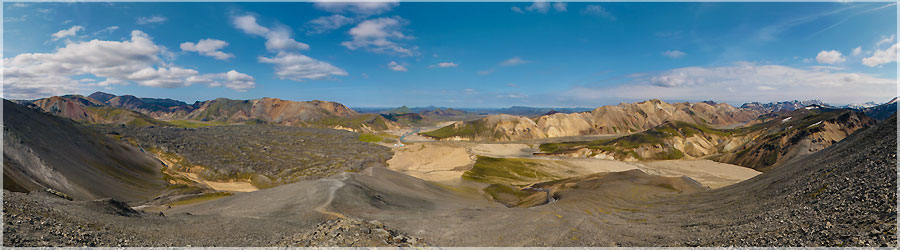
[66,32]
[857,51]
[208,47]
[516,9]
[830,57]
[247,24]
[513,61]
[880,57]
[277,39]
[297,67]
[358,8]
[328,23]
[599,11]
[381,35]
[288,64]
[674,54]
[151,20]
[138,60]
[744,82]
[396,66]
[232,79]
[445,65]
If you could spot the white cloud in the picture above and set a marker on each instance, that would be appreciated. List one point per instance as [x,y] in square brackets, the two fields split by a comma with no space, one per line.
[885,40]
[280,39]
[396,66]
[248,24]
[880,57]
[232,79]
[106,30]
[380,35]
[674,54]
[277,39]
[288,65]
[597,10]
[744,82]
[208,47]
[15,19]
[559,6]
[297,67]
[485,72]
[18,5]
[138,60]
[513,61]
[328,23]
[857,51]
[539,7]
[151,19]
[830,57]
[359,8]
[67,32]
[445,65]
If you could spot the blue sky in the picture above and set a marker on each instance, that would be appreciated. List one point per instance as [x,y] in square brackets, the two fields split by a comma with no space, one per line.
[455,54]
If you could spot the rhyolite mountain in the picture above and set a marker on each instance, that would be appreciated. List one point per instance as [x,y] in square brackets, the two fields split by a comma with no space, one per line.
[772,140]
[781,106]
[111,109]
[613,119]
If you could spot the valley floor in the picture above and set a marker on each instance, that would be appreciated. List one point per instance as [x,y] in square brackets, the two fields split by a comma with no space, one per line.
[842,196]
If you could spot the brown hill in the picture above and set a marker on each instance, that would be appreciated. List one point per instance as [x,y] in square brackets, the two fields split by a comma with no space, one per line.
[43,151]
[132,110]
[770,142]
[618,119]
[86,109]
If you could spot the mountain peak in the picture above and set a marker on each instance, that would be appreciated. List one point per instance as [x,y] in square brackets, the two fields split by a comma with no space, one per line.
[102,96]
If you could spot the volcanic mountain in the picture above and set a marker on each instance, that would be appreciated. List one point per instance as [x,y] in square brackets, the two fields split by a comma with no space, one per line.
[124,109]
[43,151]
[618,119]
[771,140]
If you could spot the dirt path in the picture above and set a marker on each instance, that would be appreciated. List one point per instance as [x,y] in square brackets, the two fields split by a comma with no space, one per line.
[334,186]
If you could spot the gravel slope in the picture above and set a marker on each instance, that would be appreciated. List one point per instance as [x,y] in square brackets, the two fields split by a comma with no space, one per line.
[842,196]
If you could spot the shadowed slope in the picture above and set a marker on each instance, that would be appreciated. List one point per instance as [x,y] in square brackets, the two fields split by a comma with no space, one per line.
[41,150]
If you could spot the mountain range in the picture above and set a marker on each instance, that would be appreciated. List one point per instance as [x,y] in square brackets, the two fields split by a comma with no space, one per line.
[130,110]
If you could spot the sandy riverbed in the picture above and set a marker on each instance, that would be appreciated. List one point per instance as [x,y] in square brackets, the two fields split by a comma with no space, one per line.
[447,161]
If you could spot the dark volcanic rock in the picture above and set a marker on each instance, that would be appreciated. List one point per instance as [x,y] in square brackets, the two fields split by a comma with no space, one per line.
[270,154]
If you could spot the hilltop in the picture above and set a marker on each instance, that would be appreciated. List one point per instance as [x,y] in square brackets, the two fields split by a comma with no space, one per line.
[768,142]
[104,108]
[618,119]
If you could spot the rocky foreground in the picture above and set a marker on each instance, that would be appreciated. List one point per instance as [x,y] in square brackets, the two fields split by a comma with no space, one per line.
[844,195]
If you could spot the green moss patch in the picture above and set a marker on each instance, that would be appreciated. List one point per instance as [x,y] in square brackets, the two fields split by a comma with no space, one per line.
[507,171]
